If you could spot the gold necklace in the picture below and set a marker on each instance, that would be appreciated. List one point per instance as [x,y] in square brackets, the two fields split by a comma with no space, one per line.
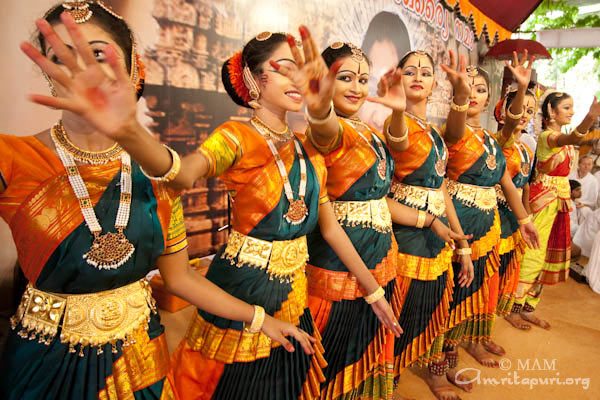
[419,119]
[380,155]
[62,141]
[281,136]
[440,163]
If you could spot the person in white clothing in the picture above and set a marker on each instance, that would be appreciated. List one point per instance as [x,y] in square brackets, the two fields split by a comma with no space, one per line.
[574,214]
[589,184]
[592,269]
[584,237]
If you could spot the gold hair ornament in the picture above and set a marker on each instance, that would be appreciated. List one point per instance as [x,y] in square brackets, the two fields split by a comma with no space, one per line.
[252,86]
[79,10]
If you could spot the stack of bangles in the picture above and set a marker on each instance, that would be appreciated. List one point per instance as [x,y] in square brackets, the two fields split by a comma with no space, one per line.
[257,320]
[458,108]
[421,220]
[525,220]
[321,121]
[395,139]
[172,172]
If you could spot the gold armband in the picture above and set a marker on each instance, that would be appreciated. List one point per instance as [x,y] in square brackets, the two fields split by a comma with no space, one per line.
[466,251]
[257,320]
[458,108]
[172,172]
[525,220]
[375,296]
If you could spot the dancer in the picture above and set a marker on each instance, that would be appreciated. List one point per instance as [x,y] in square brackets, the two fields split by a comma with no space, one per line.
[475,165]
[358,349]
[277,182]
[549,201]
[519,161]
[89,226]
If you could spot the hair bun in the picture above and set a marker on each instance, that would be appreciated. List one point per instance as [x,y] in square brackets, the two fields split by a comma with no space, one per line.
[233,81]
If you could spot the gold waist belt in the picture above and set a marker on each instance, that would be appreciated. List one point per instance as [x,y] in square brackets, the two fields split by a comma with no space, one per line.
[501,198]
[373,214]
[93,319]
[481,197]
[420,197]
[280,258]
[560,184]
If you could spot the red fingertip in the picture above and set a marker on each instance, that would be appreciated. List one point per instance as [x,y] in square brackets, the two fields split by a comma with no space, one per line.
[291,40]
[274,65]
[335,67]
[303,32]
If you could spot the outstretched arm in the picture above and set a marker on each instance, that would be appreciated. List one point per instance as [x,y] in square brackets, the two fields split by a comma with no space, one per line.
[456,123]
[578,135]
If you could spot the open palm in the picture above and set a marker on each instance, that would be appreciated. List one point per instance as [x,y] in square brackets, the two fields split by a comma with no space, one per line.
[457,75]
[520,72]
[312,78]
[108,108]
[390,91]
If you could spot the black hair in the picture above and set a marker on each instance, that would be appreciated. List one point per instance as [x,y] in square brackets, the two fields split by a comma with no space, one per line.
[405,58]
[115,27]
[510,97]
[254,54]
[574,184]
[387,26]
[331,55]
[483,73]
[553,99]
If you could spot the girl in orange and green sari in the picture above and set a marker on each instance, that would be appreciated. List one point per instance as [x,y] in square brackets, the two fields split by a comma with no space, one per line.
[89,225]
[276,180]
[358,348]
[549,200]
[519,161]
[475,165]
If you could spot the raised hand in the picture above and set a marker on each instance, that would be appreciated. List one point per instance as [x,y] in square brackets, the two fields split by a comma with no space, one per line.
[457,75]
[278,331]
[107,103]
[384,312]
[595,108]
[530,235]
[447,234]
[521,73]
[312,78]
[390,91]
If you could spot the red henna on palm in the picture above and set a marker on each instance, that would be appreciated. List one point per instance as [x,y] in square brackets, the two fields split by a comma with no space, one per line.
[313,85]
[97,97]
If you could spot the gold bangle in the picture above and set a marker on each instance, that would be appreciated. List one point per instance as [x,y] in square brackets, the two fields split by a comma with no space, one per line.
[171,173]
[375,296]
[257,320]
[465,251]
[321,121]
[579,134]
[525,220]
[421,219]
[458,108]
[513,116]
[394,138]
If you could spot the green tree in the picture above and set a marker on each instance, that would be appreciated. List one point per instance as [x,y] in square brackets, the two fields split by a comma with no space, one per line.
[559,14]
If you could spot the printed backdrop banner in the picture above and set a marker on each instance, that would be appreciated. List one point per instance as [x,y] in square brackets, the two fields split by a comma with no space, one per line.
[185,99]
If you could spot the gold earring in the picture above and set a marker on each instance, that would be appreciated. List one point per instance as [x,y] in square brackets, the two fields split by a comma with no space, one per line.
[50,85]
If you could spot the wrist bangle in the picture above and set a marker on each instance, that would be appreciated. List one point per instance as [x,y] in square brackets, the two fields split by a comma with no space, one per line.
[513,116]
[579,134]
[465,251]
[421,219]
[375,296]
[320,121]
[257,320]
[458,108]
[171,173]
[395,139]
[432,221]
[525,220]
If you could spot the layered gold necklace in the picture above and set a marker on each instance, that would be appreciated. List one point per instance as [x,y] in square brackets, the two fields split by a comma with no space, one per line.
[111,250]
[380,155]
[441,159]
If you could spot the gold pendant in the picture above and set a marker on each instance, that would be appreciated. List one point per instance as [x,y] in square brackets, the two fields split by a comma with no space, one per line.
[109,251]
[490,161]
[525,168]
[297,212]
[440,167]
[382,168]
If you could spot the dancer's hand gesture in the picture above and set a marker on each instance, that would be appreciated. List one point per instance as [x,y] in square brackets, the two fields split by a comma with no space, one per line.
[594,108]
[384,312]
[520,73]
[279,331]
[312,78]
[530,235]
[447,234]
[390,91]
[105,99]
[466,274]
[457,75]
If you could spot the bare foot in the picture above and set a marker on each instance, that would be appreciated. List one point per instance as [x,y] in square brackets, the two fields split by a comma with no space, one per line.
[440,387]
[515,320]
[494,348]
[530,317]
[478,352]
[462,381]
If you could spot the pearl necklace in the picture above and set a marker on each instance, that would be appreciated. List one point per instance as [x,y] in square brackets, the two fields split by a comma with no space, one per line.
[111,250]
